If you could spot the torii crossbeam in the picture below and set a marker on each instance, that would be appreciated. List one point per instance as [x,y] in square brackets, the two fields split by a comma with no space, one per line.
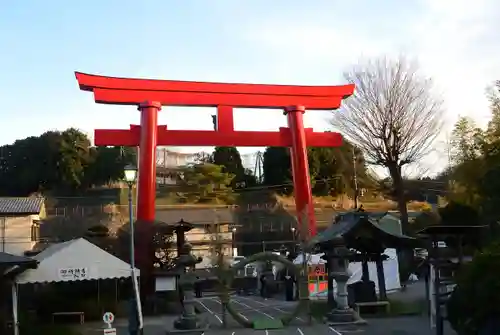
[149,95]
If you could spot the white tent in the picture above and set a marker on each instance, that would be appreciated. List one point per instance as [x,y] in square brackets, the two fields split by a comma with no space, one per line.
[75,260]
[69,261]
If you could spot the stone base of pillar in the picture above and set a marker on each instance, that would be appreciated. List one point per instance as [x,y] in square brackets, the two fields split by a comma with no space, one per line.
[344,317]
[188,325]
[198,331]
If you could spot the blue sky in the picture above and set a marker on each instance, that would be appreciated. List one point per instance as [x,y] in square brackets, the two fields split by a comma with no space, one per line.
[279,41]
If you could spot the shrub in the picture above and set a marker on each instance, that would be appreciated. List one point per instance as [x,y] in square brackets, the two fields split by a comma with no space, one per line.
[475,302]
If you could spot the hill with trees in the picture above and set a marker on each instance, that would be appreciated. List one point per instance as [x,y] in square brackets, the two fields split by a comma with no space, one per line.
[63,162]
[473,178]
[331,170]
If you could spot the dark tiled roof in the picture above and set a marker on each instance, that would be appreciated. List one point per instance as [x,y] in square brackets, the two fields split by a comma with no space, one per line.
[239,216]
[195,215]
[12,206]
[11,260]
[352,221]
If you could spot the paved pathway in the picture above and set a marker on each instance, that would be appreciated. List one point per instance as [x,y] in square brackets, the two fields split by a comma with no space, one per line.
[254,308]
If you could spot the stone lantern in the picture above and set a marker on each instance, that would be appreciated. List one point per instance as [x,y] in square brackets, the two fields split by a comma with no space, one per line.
[188,322]
[337,256]
[180,229]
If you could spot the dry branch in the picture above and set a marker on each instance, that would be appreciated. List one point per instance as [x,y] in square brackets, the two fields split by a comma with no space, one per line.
[394,115]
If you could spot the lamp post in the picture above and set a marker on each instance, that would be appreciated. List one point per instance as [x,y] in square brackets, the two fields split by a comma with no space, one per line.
[135,317]
[235,252]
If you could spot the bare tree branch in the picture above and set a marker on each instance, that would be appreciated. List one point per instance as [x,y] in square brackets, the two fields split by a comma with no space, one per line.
[394,115]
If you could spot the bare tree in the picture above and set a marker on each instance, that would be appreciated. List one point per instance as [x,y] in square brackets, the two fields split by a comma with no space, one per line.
[394,117]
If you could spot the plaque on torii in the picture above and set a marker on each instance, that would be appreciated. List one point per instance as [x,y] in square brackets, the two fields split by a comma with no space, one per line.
[150,95]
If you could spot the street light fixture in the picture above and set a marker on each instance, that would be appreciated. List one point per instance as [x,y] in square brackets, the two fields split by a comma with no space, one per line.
[130,173]
[234,251]
[130,177]
[293,229]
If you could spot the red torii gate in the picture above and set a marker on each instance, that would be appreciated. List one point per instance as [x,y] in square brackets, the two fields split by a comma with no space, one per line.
[149,95]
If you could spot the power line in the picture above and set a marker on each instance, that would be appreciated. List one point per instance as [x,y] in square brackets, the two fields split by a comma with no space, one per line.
[355,180]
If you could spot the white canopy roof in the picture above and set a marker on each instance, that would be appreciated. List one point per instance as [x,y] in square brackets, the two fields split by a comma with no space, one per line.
[313,259]
[75,260]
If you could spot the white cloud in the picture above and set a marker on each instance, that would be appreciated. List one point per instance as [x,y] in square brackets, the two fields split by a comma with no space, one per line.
[455,42]
[452,44]
[322,45]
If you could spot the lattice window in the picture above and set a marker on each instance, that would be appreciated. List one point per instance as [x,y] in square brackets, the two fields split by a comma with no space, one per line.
[35,231]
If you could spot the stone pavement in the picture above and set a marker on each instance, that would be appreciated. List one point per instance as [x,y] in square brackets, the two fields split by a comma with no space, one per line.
[257,308]
[253,308]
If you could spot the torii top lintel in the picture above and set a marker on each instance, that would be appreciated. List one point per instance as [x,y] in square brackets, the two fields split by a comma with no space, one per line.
[129,91]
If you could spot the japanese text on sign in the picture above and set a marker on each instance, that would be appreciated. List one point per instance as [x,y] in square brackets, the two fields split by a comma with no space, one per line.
[73,273]
[317,270]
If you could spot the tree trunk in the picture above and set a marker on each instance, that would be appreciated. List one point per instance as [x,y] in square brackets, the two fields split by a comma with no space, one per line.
[397,183]
[405,256]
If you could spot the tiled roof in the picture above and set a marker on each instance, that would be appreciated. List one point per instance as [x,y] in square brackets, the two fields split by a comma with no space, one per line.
[238,216]
[351,221]
[12,206]
[195,215]
[10,260]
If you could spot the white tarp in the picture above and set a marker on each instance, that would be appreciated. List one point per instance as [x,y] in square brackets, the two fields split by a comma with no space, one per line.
[311,259]
[75,260]
[391,270]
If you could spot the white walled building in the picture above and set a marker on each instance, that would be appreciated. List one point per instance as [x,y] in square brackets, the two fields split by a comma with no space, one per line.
[20,224]
[168,160]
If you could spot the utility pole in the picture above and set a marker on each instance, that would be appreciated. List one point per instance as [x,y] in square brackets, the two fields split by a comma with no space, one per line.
[4,227]
[258,167]
[355,179]
[214,121]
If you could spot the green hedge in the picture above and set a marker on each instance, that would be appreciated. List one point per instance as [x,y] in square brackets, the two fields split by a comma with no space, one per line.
[476,298]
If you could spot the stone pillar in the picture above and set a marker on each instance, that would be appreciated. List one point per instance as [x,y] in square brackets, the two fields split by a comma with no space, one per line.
[382,291]
[331,294]
[365,274]
[341,274]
